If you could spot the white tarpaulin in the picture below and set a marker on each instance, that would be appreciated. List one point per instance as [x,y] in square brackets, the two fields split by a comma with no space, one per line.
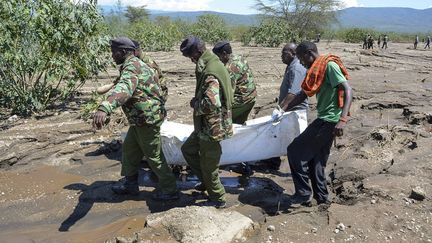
[259,139]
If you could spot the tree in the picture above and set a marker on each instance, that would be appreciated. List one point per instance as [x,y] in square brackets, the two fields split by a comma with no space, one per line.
[48,49]
[211,28]
[136,14]
[304,17]
[116,21]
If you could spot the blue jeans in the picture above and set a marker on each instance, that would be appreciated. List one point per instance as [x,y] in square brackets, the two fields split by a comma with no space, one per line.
[307,157]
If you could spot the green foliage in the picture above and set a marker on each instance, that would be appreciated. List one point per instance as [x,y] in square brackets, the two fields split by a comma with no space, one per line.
[155,37]
[237,32]
[136,14]
[115,21]
[211,28]
[48,49]
[355,35]
[304,18]
[89,107]
[270,33]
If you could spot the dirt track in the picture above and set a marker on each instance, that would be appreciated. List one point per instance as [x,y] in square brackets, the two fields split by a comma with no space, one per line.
[55,173]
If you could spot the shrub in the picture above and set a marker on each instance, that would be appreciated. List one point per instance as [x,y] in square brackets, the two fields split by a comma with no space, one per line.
[154,37]
[270,33]
[211,28]
[355,35]
[48,49]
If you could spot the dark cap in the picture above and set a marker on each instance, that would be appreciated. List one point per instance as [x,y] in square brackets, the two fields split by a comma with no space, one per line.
[123,43]
[220,46]
[136,43]
[189,44]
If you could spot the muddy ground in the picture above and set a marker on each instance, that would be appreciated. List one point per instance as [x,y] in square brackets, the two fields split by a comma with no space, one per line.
[56,173]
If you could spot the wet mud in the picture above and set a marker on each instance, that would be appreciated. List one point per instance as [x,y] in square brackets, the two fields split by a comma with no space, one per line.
[56,172]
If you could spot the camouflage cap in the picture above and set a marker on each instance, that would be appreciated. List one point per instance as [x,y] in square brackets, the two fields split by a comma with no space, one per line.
[123,43]
[219,47]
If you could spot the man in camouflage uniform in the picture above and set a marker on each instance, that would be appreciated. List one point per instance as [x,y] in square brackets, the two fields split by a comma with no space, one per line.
[242,81]
[151,63]
[212,119]
[139,95]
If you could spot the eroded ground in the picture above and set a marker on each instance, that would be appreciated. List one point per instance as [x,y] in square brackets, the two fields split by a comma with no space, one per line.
[56,173]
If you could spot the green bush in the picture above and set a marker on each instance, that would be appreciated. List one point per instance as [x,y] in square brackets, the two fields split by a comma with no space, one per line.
[211,28]
[270,33]
[155,37]
[48,49]
[237,32]
[355,35]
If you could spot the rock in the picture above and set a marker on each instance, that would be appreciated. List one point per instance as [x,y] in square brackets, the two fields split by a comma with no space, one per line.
[373,201]
[13,118]
[193,224]
[418,194]
[341,227]
[271,228]
[336,231]
[124,240]
[314,230]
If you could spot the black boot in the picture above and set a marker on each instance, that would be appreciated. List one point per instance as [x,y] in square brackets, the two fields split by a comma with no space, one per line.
[200,187]
[129,186]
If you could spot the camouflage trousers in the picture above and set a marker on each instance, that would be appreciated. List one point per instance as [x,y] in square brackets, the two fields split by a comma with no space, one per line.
[240,113]
[146,141]
[203,158]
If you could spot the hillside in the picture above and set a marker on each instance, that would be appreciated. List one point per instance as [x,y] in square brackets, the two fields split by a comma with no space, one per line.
[394,19]
[385,19]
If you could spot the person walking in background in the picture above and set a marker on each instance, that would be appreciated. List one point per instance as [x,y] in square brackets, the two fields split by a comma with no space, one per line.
[385,40]
[428,40]
[370,42]
[365,41]
[416,41]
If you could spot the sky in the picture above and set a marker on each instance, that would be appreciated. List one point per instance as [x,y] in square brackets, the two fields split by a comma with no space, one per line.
[246,6]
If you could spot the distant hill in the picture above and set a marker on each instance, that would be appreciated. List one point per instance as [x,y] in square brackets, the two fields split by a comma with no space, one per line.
[388,19]
[384,19]
[231,19]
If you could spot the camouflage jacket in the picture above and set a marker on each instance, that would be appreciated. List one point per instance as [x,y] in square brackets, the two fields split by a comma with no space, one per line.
[138,93]
[159,75]
[217,122]
[212,110]
[242,79]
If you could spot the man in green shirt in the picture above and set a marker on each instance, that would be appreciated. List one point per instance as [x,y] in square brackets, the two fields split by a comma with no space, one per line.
[309,152]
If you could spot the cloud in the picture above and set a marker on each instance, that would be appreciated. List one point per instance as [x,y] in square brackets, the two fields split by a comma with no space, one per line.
[168,5]
[350,3]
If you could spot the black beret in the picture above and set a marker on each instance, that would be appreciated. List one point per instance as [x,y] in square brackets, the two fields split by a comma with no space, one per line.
[187,45]
[219,46]
[123,43]
[136,43]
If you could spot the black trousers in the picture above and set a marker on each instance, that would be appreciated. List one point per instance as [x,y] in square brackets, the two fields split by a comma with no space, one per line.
[307,157]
